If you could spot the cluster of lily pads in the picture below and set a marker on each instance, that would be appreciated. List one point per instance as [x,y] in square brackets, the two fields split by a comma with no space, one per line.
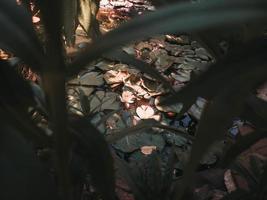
[116,96]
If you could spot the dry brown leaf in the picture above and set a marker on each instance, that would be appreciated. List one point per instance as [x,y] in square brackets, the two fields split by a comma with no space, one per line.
[262,92]
[229,181]
[147,150]
[113,76]
[135,84]
[127,97]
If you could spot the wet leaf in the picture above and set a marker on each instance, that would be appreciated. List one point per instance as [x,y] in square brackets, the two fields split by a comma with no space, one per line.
[104,101]
[174,139]
[141,126]
[134,142]
[92,79]
[173,108]
[181,76]
[85,104]
[197,108]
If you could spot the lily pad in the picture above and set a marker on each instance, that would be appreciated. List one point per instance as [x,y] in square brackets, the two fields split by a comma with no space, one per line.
[102,100]
[203,54]
[135,142]
[92,78]
[129,49]
[181,75]
[87,90]
[174,139]
[186,66]
[176,108]
[95,121]
[197,108]
[105,65]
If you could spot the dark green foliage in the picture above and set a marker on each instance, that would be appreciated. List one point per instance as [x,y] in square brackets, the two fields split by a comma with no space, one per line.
[100,165]
[23,176]
[18,34]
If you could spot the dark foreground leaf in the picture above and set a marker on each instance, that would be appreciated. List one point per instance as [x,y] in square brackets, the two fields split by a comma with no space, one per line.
[242,144]
[99,156]
[17,34]
[22,174]
[53,82]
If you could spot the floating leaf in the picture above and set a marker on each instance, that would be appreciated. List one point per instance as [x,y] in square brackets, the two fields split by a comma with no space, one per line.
[174,139]
[134,142]
[197,108]
[173,108]
[92,79]
[104,101]
[181,76]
